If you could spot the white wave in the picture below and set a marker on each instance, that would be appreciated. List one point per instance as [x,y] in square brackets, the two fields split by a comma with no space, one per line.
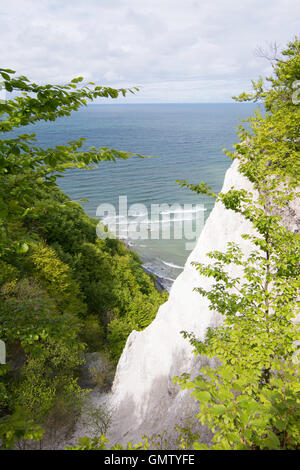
[168,279]
[114,220]
[161,276]
[172,265]
[164,221]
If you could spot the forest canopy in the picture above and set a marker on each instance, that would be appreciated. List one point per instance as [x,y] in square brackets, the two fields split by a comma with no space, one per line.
[63,292]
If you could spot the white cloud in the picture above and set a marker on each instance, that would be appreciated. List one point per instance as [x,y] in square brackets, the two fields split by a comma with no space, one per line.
[188,50]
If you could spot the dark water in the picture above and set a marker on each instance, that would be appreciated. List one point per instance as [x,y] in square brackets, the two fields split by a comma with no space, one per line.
[187,140]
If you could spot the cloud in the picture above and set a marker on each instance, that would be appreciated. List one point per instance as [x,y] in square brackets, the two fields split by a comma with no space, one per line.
[178,51]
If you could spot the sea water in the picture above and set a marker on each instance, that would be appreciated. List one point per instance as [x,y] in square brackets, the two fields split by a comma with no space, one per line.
[186,142]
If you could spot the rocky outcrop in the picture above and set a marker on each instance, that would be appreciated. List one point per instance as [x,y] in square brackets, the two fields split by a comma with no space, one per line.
[144,398]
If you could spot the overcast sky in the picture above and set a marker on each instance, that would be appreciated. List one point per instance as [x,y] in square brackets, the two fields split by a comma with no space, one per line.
[176,50]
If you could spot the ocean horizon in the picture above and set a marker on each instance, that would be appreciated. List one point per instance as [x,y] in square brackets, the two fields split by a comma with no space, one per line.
[187,141]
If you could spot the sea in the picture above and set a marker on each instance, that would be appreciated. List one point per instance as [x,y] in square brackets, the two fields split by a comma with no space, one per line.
[139,199]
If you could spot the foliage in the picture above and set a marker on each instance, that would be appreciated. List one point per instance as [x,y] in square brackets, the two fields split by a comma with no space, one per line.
[16,427]
[59,286]
[101,443]
[92,333]
[98,418]
[250,399]
[26,168]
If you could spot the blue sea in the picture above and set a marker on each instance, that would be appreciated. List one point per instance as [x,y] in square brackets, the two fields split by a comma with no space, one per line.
[186,141]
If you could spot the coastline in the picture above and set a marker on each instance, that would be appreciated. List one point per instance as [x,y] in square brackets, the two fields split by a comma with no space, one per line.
[160,281]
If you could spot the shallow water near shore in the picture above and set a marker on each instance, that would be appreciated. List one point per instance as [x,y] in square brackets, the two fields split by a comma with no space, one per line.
[187,142]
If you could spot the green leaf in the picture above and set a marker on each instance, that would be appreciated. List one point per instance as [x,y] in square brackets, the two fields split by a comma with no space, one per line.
[202,395]
[22,248]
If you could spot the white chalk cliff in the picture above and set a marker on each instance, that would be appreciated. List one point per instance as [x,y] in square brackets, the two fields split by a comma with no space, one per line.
[144,397]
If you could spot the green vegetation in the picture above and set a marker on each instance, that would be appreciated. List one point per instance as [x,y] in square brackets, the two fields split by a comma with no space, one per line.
[250,400]
[63,292]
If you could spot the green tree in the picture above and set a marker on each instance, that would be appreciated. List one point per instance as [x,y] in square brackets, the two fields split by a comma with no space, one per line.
[250,400]
[55,278]
[25,167]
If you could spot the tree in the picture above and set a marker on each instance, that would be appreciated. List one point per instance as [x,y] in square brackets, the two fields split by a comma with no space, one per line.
[43,301]
[25,167]
[250,400]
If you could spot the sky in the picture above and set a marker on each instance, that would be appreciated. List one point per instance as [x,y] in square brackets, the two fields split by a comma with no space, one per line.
[174,50]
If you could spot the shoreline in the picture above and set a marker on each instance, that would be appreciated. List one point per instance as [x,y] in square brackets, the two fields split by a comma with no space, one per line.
[159,280]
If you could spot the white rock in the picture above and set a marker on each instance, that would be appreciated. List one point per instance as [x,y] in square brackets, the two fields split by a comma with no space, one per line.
[144,398]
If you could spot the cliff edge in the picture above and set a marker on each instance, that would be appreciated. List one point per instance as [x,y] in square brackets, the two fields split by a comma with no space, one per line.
[144,398]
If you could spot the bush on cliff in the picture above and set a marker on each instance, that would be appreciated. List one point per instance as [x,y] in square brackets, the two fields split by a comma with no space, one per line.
[251,399]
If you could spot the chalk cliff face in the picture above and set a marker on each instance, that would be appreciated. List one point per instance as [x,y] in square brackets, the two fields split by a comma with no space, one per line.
[144,398]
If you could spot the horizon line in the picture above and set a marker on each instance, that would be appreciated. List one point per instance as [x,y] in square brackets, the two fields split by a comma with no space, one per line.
[172,102]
